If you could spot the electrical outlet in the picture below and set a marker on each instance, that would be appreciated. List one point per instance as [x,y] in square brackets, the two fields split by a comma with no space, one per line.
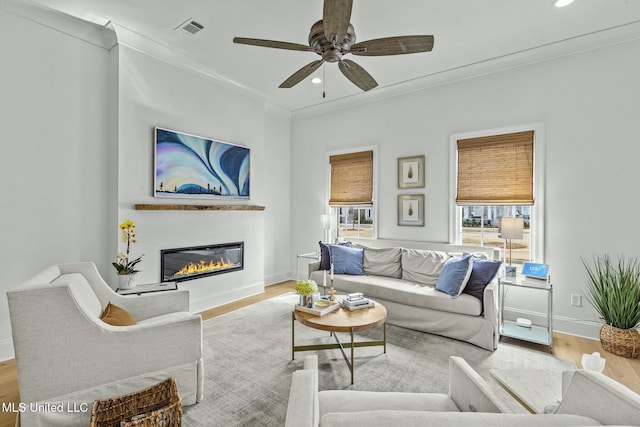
[576,300]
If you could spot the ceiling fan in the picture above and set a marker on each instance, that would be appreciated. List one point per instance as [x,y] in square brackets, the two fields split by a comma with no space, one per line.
[333,37]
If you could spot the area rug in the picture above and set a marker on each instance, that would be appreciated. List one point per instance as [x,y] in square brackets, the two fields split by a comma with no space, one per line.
[248,366]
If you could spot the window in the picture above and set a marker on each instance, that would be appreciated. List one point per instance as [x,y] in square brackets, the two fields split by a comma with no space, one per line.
[479,227]
[351,196]
[355,221]
[493,176]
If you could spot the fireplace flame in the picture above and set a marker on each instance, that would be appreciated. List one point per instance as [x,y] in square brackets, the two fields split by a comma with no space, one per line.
[203,267]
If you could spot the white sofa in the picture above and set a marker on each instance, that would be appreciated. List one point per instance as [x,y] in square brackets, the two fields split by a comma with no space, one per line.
[418,305]
[589,399]
[66,353]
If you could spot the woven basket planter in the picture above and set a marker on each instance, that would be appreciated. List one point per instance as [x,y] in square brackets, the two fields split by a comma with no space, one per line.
[158,405]
[621,342]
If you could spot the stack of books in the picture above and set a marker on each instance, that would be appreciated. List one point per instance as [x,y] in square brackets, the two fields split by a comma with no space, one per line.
[356,301]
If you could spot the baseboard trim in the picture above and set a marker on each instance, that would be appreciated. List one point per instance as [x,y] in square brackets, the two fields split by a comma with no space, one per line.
[6,350]
[566,325]
[273,279]
[203,304]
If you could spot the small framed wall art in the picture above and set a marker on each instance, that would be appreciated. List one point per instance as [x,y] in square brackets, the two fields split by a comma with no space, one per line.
[411,172]
[411,210]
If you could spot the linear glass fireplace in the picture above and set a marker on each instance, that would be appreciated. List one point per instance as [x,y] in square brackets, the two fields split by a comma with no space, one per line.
[180,264]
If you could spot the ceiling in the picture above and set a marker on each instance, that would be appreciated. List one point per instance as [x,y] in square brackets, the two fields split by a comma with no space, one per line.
[471,37]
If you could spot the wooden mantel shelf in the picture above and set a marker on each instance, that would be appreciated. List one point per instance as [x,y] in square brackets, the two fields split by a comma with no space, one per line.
[154,207]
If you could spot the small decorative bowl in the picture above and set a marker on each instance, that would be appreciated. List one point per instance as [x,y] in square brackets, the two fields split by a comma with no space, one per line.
[322,303]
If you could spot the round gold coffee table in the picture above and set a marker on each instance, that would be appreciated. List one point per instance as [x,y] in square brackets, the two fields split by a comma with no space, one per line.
[342,320]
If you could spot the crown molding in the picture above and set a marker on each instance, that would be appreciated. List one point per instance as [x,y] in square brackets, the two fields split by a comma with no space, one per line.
[108,35]
[568,47]
[99,35]
[277,110]
[164,53]
[111,34]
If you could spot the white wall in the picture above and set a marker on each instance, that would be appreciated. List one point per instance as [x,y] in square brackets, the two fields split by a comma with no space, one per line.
[277,189]
[588,105]
[77,154]
[155,93]
[57,165]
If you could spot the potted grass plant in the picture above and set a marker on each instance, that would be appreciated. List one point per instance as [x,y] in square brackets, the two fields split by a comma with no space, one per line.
[613,288]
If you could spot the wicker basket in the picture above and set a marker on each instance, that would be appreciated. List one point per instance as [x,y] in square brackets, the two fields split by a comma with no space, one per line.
[158,405]
[622,342]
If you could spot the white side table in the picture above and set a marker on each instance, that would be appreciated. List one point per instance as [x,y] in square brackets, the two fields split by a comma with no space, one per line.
[311,255]
[539,334]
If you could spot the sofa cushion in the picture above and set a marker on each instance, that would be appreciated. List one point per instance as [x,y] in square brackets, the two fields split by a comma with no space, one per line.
[392,418]
[346,260]
[364,401]
[383,262]
[82,291]
[422,266]
[482,273]
[325,256]
[404,292]
[166,318]
[455,275]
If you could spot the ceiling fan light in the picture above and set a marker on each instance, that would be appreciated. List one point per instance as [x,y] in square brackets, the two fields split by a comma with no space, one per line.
[562,3]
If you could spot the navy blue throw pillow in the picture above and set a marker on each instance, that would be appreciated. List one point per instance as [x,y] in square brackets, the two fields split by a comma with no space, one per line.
[482,273]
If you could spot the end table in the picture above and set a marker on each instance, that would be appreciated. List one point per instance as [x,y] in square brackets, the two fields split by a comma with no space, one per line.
[539,334]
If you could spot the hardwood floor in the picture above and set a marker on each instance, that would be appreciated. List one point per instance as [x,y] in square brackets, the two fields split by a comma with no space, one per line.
[624,370]
[8,391]
[569,347]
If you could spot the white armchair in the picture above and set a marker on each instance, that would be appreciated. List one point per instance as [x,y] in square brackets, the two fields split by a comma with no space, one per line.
[65,352]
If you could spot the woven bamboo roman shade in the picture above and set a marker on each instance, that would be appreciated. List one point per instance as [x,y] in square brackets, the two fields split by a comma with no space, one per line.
[496,170]
[352,179]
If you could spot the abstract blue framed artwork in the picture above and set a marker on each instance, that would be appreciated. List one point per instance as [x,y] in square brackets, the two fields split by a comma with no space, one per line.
[189,166]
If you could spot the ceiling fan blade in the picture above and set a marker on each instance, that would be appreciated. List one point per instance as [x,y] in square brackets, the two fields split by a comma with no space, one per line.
[272,43]
[393,46]
[357,75]
[301,74]
[335,17]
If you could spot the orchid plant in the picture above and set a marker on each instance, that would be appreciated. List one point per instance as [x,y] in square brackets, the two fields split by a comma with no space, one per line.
[128,236]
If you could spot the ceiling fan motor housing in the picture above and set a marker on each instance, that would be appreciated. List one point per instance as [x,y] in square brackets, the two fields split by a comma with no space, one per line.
[329,51]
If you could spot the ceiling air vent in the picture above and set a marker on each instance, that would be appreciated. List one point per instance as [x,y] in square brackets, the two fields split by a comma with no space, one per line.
[190,26]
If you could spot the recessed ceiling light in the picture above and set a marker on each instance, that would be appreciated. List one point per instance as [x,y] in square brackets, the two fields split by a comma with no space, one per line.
[562,3]
[316,80]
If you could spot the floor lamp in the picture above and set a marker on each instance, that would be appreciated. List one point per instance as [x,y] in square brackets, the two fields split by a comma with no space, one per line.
[511,228]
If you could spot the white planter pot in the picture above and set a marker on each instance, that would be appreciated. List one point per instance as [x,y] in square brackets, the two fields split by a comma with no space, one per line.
[126,281]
